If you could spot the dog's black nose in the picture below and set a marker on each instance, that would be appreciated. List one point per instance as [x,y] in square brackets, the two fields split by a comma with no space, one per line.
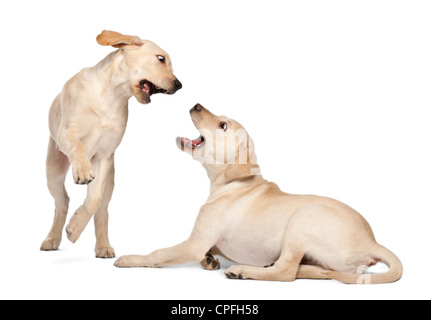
[177,84]
[198,107]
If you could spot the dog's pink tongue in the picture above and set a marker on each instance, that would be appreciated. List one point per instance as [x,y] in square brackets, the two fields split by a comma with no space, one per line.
[146,88]
[196,142]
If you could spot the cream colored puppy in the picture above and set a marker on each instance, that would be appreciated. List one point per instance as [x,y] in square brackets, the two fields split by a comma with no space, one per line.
[87,121]
[275,235]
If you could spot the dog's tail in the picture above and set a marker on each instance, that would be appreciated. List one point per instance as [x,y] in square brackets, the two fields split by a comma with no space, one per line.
[379,253]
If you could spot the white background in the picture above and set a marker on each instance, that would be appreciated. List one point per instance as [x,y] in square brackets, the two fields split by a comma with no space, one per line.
[335,94]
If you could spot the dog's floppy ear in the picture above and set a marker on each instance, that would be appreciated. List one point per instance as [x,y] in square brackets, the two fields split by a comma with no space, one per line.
[117,40]
[239,169]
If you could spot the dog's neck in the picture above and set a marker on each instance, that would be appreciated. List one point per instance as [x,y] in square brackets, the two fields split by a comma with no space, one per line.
[115,87]
[215,172]
[219,184]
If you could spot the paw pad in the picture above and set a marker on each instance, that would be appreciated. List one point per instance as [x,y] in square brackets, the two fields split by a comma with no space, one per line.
[210,263]
[232,275]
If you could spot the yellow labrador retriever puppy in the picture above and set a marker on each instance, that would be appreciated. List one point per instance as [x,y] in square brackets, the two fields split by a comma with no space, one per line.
[87,121]
[275,235]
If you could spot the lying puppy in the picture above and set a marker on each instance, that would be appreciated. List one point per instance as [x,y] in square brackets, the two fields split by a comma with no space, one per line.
[277,236]
[87,122]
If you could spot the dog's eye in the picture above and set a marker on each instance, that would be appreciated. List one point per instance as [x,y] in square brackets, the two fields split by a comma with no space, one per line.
[223,125]
[162,59]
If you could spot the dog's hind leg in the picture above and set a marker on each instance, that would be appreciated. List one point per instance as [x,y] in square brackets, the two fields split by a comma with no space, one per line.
[277,274]
[57,165]
[312,272]
[284,269]
[93,200]
[103,248]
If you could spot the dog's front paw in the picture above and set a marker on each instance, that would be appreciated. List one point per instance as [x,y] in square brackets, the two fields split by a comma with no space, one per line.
[83,173]
[210,263]
[131,261]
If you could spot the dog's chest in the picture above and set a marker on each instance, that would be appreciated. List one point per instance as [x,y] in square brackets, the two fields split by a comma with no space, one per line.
[107,134]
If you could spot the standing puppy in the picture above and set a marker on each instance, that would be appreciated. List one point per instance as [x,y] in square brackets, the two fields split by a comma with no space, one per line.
[275,235]
[87,121]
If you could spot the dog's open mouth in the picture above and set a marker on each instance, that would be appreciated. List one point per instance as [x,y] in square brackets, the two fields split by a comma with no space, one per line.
[196,143]
[150,88]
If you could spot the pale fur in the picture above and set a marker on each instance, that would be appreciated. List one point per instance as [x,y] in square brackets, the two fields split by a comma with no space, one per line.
[274,235]
[87,121]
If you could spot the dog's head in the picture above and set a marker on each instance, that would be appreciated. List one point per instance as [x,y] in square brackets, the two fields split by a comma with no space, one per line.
[223,147]
[148,69]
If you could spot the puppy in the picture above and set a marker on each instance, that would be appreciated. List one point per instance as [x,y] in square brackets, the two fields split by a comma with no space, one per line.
[87,121]
[274,235]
